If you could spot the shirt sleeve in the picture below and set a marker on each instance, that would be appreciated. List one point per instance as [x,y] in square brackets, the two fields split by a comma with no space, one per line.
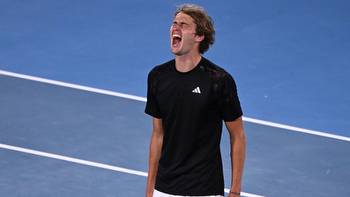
[230,106]
[152,107]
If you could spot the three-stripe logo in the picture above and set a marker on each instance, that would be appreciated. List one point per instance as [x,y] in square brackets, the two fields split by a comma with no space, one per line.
[197,90]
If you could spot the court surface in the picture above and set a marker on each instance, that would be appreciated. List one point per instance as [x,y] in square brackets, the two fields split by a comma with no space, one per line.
[67,124]
[66,130]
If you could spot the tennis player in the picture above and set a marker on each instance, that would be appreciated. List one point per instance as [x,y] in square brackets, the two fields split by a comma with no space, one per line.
[189,98]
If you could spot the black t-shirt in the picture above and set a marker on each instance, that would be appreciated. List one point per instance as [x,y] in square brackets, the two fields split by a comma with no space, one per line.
[192,106]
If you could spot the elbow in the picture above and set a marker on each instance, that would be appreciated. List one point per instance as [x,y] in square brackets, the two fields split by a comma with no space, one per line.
[239,139]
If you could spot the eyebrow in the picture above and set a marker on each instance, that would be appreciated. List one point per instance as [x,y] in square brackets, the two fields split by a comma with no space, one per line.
[180,22]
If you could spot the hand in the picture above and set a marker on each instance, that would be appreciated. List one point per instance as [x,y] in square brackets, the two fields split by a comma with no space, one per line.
[149,194]
[233,194]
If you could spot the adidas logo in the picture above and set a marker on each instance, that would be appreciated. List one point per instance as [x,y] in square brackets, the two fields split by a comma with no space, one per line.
[196,90]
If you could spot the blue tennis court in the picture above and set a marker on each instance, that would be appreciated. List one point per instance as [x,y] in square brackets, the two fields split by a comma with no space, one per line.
[70,124]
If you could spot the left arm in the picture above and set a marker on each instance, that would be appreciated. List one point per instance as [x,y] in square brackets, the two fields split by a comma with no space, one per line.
[238,144]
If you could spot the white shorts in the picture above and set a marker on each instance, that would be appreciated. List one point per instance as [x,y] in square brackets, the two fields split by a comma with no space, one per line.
[161,194]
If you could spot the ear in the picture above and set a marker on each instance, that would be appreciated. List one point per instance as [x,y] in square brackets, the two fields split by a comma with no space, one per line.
[198,38]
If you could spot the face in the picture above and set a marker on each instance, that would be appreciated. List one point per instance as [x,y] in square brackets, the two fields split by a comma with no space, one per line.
[183,38]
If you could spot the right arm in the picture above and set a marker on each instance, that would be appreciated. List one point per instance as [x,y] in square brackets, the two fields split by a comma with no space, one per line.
[154,154]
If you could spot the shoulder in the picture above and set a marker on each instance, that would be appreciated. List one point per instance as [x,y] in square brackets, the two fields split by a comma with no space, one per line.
[161,68]
[216,72]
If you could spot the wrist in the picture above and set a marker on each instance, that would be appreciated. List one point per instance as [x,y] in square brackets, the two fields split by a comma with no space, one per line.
[235,193]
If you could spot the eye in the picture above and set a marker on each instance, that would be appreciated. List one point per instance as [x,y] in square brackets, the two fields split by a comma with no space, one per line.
[184,25]
[180,24]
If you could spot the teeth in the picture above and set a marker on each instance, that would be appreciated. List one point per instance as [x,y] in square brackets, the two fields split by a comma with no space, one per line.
[176,36]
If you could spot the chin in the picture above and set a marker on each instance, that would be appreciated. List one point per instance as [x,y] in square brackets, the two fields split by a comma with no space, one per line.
[179,50]
[176,52]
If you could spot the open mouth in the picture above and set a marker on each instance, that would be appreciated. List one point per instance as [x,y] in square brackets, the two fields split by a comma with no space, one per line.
[176,40]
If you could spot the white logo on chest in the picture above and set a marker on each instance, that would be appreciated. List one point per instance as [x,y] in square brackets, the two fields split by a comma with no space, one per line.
[196,90]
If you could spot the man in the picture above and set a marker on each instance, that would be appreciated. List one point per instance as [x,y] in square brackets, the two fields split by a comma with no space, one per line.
[188,98]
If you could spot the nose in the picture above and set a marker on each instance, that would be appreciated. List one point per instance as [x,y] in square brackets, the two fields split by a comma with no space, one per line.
[176,26]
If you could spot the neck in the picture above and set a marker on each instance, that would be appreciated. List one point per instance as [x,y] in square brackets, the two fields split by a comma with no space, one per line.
[185,63]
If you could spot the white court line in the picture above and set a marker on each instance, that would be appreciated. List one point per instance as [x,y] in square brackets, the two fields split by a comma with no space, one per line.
[90,163]
[143,99]
[74,86]
[298,129]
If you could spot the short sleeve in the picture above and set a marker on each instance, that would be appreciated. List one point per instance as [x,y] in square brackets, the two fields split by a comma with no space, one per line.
[230,106]
[152,107]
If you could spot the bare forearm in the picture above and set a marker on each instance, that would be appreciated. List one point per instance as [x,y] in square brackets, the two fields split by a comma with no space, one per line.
[238,145]
[154,155]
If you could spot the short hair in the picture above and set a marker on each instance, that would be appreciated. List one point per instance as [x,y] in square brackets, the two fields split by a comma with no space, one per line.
[204,24]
